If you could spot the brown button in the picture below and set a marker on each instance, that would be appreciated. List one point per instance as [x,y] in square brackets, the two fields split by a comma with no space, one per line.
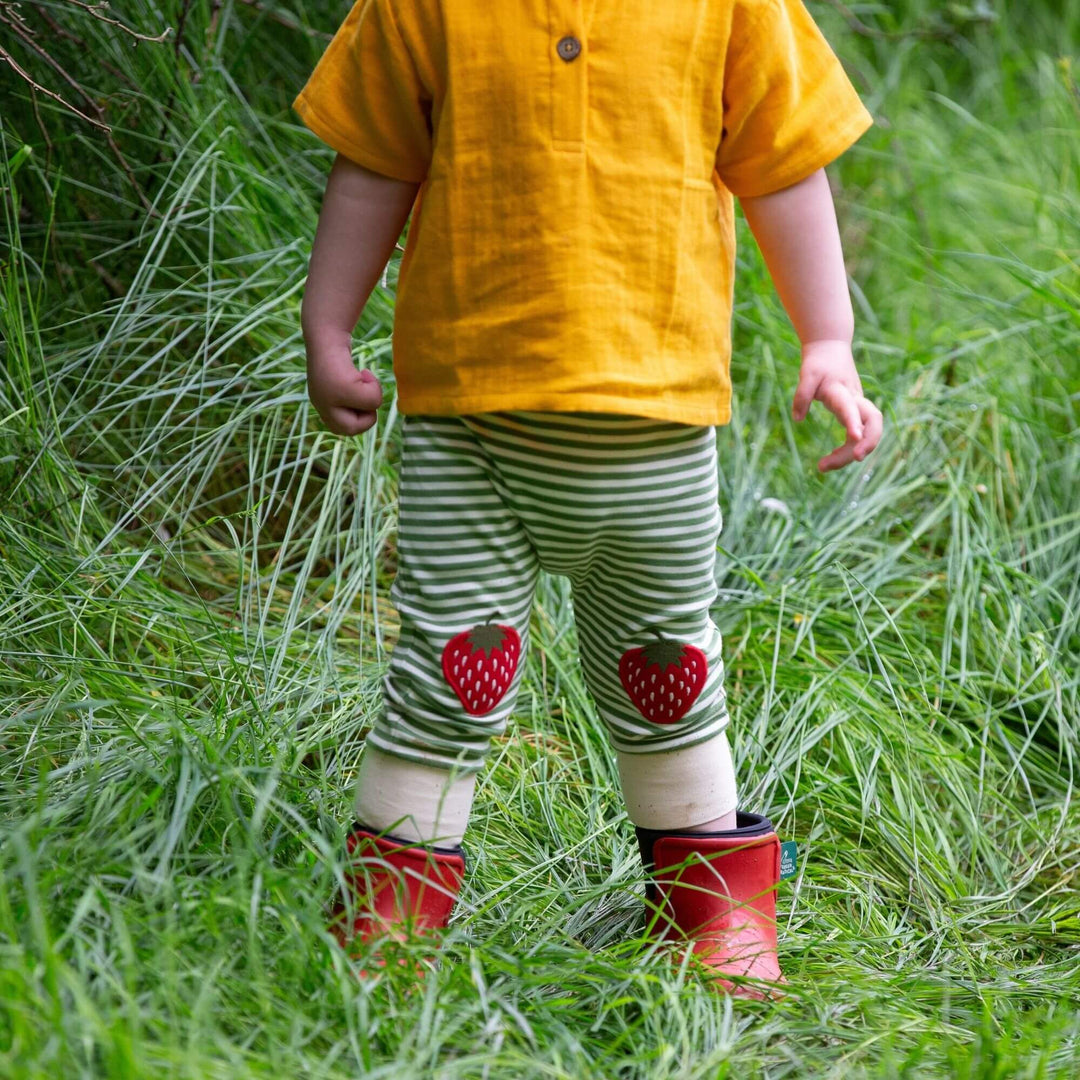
[568,47]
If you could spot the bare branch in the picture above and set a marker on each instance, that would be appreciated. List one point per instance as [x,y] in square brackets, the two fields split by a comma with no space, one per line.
[5,55]
[64,32]
[96,9]
[23,32]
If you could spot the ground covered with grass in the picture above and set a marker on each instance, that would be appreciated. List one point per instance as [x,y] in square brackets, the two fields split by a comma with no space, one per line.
[194,614]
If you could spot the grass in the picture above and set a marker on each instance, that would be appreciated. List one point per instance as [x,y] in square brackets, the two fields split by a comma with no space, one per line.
[193,613]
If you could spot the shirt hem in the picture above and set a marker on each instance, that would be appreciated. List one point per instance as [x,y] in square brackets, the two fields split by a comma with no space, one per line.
[825,152]
[698,416]
[354,151]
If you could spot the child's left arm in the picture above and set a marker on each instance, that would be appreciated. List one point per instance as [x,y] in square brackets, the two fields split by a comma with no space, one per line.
[798,236]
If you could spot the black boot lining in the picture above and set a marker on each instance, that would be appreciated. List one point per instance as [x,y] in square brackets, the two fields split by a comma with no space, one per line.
[458,850]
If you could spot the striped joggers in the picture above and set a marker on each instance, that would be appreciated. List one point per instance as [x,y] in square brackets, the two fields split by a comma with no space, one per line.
[627,509]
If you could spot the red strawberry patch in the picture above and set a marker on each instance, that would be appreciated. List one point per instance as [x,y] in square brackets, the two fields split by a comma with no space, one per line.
[480,663]
[663,678]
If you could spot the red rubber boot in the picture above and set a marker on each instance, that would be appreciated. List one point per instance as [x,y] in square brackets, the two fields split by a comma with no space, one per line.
[397,888]
[718,890]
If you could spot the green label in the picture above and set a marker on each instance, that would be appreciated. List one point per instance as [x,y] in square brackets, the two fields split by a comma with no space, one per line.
[787,859]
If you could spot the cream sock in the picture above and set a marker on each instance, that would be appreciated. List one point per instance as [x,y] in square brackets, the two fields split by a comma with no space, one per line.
[413,801]
[678,789]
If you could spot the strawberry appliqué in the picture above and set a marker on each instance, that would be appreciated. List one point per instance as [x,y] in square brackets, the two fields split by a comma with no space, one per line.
[663,678]
[479,665]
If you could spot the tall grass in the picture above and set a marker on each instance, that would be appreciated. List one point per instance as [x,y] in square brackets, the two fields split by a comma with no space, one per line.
[193,613]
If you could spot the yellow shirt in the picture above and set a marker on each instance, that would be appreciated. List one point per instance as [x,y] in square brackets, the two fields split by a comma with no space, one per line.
[572,242]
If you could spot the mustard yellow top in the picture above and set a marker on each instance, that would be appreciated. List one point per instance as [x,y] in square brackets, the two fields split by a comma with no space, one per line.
[572,243]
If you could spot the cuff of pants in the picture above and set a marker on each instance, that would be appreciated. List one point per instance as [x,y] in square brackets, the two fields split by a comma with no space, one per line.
[412,801]
[678,789]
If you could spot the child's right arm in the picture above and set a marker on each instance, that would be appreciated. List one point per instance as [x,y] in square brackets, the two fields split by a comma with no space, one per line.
[796,230]
[362,215]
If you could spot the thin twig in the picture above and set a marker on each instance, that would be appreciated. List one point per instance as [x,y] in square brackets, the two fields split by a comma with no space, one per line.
[94,10]
[179,41]
[62,31]
[5,55]
[22,32]
[178,44]
[211,30]
[44,131]
[114,285]
[26,36]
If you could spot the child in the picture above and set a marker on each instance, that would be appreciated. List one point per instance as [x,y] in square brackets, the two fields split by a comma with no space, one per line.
[561,353]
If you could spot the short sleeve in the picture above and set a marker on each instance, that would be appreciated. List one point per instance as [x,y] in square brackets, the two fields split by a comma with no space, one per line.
[789,107]
[365,97]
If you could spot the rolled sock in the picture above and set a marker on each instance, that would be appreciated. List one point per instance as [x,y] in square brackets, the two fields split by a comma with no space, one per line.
[412,801]
[679,789]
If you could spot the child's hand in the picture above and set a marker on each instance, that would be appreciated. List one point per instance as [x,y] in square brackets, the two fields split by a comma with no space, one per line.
[828,375]
[344,397]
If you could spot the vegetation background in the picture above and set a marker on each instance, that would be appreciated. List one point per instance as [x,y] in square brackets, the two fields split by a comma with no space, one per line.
[193,613]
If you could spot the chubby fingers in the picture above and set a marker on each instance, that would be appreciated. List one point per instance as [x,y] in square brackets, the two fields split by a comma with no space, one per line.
[873,425]
[349,421]
[856,447]
[841,401]
[841,456]
[349,407]
[804,392]
[362,392]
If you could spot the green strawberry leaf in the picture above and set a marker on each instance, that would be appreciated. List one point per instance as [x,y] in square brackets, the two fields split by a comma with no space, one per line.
[486,638]
[663,652]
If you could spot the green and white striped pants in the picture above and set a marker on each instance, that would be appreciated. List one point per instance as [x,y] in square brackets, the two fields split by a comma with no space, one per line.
[626,507]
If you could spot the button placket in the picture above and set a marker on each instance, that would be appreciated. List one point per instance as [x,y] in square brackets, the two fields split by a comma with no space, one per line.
[569,76]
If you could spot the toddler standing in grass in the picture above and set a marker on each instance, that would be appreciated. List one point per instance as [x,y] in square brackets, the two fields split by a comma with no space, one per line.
[561,350]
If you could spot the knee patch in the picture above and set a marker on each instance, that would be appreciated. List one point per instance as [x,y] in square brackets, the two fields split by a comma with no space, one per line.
[663,679]
[658,693]
[480,663]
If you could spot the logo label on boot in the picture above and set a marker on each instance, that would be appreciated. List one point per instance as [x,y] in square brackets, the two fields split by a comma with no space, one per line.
[787,859]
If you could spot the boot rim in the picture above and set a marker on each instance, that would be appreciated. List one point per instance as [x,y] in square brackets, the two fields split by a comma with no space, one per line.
[748,826]
[358,828]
